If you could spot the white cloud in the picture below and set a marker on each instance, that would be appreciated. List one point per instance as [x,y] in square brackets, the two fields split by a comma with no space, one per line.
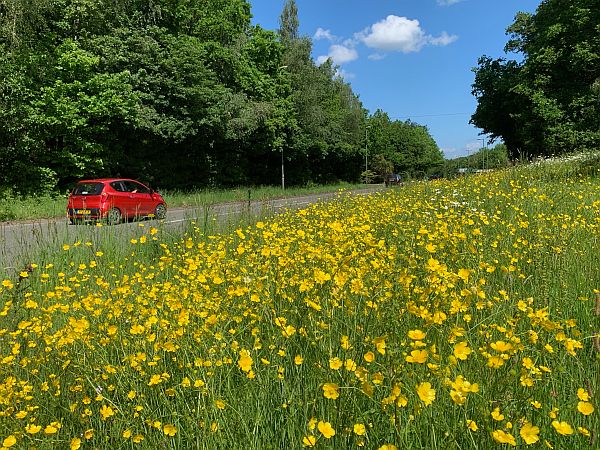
[324,34]
[345,75]
[450,152]
[473,146]
[448,2]
[443,40]
[340,54]
[400,34]
[395,33]
[376,56]
[469,149]
[321,59]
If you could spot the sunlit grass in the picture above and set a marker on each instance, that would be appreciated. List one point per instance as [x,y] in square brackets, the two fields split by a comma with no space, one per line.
[451,314]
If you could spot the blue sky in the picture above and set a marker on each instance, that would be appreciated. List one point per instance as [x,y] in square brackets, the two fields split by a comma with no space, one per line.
[409,58]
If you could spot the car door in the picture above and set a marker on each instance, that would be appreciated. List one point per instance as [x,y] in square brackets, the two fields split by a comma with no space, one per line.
[140,198]
[122,199]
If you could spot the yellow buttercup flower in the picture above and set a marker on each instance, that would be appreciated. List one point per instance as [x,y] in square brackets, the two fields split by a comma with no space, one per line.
[583,395]
[326,429]
[464,274]
[503,437]
[562,427]
[309,441]
[345,343]
[416,335]
[417,356]
[32,428]
[426,393]
[529,433]
[501,346]
[170,430]
[331,391]
[496,415]
[52,428]
[106,412]
[380,345]
[584,431]
[359,429]
[9,441]
[495,362]
[585,408]
[462,351]
[245,361]
[350,365]
[75,444]
[335,363]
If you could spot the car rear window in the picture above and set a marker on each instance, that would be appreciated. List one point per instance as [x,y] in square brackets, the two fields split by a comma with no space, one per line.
[88,189]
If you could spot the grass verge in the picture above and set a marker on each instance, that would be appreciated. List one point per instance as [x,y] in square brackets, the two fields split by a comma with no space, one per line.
[461,314]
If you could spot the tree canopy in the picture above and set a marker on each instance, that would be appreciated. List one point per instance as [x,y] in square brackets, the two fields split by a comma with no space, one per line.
[549,102]
[181,95]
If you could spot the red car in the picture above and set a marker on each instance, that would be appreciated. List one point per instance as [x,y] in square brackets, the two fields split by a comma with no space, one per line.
[114,200]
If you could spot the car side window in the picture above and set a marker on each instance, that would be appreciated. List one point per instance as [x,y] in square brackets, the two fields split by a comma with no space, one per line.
[136,188]
[118,186]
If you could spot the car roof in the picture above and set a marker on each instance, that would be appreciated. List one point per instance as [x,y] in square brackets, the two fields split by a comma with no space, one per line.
[106,180]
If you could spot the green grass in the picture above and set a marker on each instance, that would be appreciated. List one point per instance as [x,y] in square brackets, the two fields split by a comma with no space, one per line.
[500,257]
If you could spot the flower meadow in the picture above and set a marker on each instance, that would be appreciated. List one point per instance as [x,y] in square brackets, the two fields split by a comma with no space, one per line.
[448,314]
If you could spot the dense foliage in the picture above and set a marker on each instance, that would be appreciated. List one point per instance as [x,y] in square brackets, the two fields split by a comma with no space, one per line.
[179,94]
[549,102]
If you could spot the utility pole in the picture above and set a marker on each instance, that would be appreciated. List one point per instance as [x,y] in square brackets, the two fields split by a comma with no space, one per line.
[468,160]
[282,172]
[367,148]
[282,164]
[482,151]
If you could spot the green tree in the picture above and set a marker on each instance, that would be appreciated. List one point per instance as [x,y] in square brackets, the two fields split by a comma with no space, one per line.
[289,23]
[72,115]
[180,94]
[500,109]
[547,104]
[325,144]
[407,145]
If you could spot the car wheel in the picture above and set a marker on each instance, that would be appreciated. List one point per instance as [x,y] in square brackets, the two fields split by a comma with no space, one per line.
[160,212]
[113,217]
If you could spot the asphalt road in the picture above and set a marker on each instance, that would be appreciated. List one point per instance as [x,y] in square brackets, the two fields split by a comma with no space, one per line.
[22,243]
